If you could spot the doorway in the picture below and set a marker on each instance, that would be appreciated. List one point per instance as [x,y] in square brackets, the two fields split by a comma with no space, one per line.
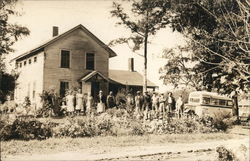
[95,87]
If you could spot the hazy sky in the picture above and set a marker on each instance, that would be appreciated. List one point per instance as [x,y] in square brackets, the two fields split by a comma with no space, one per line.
[40,15]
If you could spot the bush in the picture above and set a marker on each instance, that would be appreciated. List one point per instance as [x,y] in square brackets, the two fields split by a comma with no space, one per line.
[84,127]
[224,154]
[222,121]
[24,129]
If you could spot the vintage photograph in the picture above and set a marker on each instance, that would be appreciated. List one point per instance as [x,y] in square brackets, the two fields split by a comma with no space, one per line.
[125,80]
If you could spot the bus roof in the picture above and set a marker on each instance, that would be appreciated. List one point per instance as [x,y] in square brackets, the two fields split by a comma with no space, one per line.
[208,94]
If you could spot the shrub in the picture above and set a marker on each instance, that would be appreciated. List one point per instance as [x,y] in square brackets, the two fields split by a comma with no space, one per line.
[84,127]
[224,154]
[6,131]
[24,129]
[137,128]
[27,129]
[222,121]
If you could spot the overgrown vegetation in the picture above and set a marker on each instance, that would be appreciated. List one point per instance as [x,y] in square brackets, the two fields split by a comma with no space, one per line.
[113,123]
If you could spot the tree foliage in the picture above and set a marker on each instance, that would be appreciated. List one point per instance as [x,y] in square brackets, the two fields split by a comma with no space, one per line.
[144,18]
[9,32]
[218,46]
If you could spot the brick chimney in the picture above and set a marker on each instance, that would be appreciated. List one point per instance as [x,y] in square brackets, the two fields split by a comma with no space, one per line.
[55,31]
[131,64]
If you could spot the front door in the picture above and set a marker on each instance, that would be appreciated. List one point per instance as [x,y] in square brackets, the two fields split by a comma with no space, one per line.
[95,87]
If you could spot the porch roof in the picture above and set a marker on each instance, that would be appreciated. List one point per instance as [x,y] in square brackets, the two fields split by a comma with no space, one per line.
[128,78]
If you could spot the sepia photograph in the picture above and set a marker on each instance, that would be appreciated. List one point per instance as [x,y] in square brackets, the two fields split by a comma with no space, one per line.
[124,80]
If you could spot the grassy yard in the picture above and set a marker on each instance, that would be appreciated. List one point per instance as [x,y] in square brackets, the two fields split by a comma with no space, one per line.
[54,145]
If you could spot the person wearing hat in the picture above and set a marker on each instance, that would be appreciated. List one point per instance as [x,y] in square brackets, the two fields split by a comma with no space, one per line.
[101,102]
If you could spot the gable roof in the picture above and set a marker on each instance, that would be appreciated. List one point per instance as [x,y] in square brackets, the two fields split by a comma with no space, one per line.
[128,78]
[80,26]
[90,75]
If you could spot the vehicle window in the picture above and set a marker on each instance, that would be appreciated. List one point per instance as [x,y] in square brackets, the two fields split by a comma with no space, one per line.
[229,103]
[206,100]
[222,102]
[196,100]
[214,101]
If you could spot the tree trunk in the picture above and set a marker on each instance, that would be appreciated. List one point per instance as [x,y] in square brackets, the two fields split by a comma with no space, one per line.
[145,61]
[235,106]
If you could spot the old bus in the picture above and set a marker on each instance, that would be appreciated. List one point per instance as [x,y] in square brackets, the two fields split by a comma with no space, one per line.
[204,103]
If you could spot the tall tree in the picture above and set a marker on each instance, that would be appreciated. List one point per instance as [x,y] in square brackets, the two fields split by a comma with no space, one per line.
[143,20]
[9,34]
[218,40]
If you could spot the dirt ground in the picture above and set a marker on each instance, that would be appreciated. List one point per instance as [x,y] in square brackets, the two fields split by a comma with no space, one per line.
[202,151]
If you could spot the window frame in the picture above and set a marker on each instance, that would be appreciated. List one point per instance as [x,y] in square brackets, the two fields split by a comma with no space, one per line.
[90,52]
[60,63]
[63,81]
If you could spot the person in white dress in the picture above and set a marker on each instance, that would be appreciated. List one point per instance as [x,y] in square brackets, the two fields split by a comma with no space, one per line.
[89,104]
[70,103]
[101,102]
[79,101]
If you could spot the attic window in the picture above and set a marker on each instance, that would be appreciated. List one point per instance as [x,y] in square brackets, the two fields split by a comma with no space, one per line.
[20,65]
[90,61]
[24,63]
[35,58]
[29,61]
[65,59]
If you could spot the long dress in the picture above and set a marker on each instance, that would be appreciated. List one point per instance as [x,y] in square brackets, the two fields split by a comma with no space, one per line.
[79,101]
[89,104]
[101,104]
[70,103]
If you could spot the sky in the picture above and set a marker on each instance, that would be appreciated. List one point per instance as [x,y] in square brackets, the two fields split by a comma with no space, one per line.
[40,15]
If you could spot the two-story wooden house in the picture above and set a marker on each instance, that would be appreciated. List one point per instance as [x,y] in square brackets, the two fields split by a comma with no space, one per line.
[76,58]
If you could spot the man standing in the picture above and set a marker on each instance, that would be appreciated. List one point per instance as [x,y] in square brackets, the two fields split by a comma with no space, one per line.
[147,101]
[110,100]
[155,102]
[179,107]
[170,102]
[138,102]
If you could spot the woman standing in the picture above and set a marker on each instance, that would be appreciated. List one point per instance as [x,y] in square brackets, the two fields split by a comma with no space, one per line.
[89,104]
[70,103]
[79,101]
[100,103]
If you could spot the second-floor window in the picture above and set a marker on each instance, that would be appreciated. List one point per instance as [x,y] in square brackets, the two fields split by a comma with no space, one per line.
[65,59]
[90,61]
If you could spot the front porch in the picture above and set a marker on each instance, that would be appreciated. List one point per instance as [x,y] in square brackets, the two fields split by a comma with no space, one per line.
[94,82]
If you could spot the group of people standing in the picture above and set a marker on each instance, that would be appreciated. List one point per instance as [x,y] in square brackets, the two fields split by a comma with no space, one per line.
[158,103]
[85,103]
